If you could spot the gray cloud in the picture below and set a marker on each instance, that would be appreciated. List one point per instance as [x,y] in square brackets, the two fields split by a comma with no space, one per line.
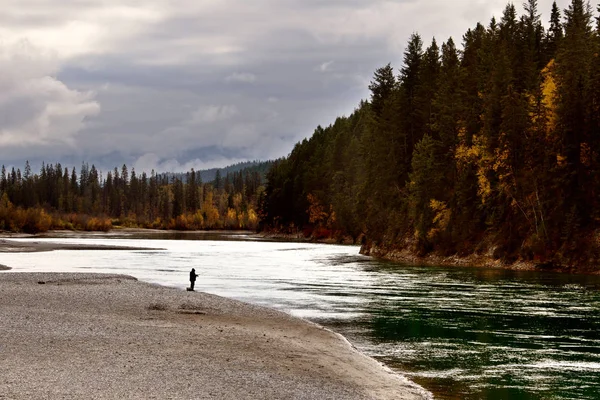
[243,77]
[173,85]
[211,114]
[37,111]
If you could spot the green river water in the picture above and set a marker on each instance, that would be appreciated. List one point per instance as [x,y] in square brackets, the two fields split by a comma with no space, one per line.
[462,333]
[472,333]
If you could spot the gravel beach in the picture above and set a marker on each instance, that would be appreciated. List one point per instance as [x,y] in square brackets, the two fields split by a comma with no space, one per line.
[76,336]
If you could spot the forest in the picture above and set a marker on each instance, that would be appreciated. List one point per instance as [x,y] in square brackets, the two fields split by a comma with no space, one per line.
[58,198]
[493,147]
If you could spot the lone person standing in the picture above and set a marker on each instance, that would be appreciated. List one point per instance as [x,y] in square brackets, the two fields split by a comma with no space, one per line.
[192,278]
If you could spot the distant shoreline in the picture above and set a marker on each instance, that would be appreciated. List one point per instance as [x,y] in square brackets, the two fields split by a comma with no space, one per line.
[12,246]
[8,245]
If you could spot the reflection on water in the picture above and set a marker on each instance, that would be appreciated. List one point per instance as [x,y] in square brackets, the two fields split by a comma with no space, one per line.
[463,333]
[473,333]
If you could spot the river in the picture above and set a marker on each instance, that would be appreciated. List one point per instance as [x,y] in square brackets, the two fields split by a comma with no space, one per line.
[462,333]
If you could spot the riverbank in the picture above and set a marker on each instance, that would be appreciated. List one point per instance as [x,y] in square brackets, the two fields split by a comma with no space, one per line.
[116,337]
[405,253]
[483,255]
[483,259]
[300,237]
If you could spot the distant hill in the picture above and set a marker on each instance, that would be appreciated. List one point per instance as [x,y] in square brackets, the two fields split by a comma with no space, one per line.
[208,175]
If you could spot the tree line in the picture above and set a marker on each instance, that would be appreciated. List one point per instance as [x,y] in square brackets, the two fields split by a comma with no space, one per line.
[57,198]
[491,147]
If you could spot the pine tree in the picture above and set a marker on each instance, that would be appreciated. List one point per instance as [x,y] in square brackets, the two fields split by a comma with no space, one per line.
[178,199]
[554,35]
[192,192]
[426,187]
[74,186]
[94,191]
[410,82]
[153,196]
[66,203]
[447,101]
[573,66]
[385,149]
[218,180]
[3,181]
[473,80]
[531,48]
[29,197]
[430,74]
[382,86]
[134,198]
[594,113]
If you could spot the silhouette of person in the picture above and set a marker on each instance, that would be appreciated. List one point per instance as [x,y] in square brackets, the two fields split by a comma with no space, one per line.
[192,278]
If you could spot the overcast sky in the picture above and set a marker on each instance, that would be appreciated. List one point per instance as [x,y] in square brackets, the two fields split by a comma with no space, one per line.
[175,84]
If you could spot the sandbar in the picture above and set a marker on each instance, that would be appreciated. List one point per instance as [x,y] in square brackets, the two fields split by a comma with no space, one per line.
[12,246]
[71,336]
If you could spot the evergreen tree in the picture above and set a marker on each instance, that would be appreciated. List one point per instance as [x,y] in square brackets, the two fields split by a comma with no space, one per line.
[178,198]
[573,65]
[554,35]
[531,49]
[430,73]
[410,82]
[426,187]
[473,73]
[218,180]
[382,87]
[66,199]
[192,192]
[385,148]
[447,101]
[3,181]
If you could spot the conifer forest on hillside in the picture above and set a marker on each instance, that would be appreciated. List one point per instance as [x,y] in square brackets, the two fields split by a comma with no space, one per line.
[494,147]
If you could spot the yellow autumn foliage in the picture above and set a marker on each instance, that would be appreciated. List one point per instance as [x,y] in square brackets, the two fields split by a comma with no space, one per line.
[237,201]
[549,95]
[252,219]
[198,219]
[441,218]
[501,165]
[231,219]
[210,212]
[476,154]
[316,211]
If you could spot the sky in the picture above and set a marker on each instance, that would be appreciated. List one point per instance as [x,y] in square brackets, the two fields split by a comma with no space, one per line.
[177,84]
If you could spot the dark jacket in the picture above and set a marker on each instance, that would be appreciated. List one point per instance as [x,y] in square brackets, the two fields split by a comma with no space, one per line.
[193,275]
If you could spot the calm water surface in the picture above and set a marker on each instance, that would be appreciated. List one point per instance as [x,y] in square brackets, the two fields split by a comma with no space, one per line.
[462,333]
